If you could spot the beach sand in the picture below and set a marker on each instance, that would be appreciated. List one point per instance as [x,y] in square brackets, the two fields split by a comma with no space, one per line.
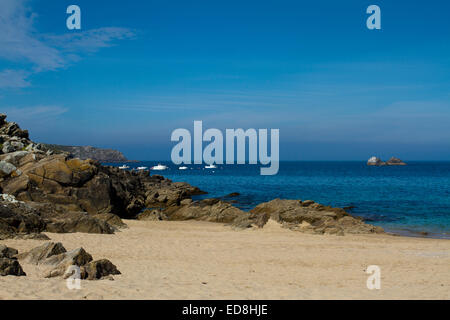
[201,260]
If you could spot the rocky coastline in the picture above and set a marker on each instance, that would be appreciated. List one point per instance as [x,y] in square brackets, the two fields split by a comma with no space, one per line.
[46,191]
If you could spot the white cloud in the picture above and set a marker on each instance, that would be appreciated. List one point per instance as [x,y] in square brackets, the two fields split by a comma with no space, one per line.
[20,43]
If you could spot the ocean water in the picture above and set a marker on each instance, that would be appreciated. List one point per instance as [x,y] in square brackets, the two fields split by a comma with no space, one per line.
[406,200]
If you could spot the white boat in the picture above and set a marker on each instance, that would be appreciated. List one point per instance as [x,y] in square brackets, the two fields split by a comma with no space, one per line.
[124,167]
[182,168]
[211,166]
[141,168]
[159,167]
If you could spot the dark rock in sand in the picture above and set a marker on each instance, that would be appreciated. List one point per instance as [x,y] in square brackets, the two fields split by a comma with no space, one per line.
[98,269]
[10,267]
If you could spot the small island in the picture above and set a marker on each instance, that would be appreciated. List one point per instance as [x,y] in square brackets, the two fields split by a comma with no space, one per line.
[375,161]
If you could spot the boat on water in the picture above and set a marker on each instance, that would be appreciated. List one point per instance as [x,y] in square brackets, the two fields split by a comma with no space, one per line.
[141,168]
[183,168]
[124,167]
[211,166]
[159,167]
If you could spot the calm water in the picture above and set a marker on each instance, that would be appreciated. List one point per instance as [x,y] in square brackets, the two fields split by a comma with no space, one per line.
[405,199]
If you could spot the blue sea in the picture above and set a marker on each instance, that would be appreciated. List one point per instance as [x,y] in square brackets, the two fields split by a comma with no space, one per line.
[407,200]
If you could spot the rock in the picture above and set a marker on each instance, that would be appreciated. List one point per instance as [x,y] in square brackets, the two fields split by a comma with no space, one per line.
[395,162]
[375,161]
[212,210]
[19,218]
[98,269]
[40,254]
[307,203]
[10,267]
[77,257]
[314,218]
[8,198]
[152,215]
[6,252]
[14,157]
[250,220]
[6,169]
[232,195]
[70,222]
[111,219]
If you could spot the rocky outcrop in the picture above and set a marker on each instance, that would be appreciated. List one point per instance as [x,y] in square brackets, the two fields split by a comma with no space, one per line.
[395,162]
[85,185]
[26,220]
[308,216]
[375,161]
[305,216]
[56,261]
[88,152]
[9,266]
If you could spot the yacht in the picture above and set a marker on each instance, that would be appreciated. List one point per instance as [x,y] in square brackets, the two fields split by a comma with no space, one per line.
[159,167]
[142,168]
[211,166]
[182,168]
[124,167]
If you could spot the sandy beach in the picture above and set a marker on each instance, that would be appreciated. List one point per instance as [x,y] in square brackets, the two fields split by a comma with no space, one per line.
[201,260]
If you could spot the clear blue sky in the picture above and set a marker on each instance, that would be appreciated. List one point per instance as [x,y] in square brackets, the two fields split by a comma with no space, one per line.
[139,69]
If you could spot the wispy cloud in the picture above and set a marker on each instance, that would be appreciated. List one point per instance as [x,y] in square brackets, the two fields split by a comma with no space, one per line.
[35,113]
[21,43]
[13,79]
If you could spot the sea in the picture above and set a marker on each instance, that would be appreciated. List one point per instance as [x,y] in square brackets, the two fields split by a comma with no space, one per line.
[411,200]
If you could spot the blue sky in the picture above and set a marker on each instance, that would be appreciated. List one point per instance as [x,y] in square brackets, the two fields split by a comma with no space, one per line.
[139,69]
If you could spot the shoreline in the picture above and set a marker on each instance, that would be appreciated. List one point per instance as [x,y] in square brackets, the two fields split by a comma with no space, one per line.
[202,260]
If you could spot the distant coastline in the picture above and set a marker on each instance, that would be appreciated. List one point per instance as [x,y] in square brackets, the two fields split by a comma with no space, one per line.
[88,152]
